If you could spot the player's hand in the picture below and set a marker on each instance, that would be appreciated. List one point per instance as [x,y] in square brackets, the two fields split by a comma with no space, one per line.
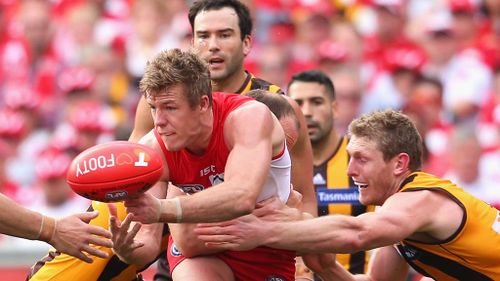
[123,239]
[144,208]
[241,234]
[323,265]
[273,209]
[74,236]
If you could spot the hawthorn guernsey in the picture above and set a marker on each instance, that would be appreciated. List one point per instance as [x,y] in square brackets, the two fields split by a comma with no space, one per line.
[114,171]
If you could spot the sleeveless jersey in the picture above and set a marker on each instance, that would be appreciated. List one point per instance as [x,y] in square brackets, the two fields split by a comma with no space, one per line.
[194,173]
[250,83]
[337,194]
[58,266]
[472,252]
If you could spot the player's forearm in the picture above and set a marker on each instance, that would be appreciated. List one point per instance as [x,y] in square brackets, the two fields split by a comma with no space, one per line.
[18,221]
[329,234]
[218,203]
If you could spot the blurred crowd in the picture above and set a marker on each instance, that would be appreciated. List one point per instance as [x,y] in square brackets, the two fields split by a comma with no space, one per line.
[69,71]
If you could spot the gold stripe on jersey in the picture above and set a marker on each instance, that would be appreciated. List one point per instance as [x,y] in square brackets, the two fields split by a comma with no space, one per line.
[472,252]
[254,83]
[330,178]
[56,266]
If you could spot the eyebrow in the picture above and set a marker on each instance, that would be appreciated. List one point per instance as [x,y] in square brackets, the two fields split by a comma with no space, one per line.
[216,31]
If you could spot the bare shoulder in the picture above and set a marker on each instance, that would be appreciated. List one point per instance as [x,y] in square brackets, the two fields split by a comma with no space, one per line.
[251,112]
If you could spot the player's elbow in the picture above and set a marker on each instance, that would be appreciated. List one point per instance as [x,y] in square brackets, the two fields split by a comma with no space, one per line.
[360,242]
[243,203]
[244,207]
[354,244]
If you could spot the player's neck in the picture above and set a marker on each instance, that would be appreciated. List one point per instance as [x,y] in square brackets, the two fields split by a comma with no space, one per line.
[324,149]
[204,135]
[230,84]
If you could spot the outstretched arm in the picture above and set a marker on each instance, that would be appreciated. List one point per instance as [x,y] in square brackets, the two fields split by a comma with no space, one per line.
[391,223]
[71,235]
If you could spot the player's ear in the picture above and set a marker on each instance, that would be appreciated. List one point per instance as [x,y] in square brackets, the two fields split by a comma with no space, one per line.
[401,163]
[247,45]
[204,103]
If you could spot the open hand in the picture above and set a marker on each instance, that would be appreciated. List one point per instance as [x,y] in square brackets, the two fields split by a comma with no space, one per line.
[241,234]
[124,242]
[74,236]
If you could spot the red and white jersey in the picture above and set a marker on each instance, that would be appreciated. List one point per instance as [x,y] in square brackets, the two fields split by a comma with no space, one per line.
[194,173]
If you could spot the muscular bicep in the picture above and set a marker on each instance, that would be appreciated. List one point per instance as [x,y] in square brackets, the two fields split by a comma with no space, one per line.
[248,133]
[396,220]
[143,122]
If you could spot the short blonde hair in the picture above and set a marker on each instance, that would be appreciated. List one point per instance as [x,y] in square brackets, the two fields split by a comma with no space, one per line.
[176,67]
[394,133]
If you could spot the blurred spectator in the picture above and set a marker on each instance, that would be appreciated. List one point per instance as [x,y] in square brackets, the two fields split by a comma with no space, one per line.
[35,136]
[331,55]
[490,116]
[311,28]
[349,96]
[465,171]
[389,32]
[391,86]
[465,23]
[466,79]
[57,199]
[76,38]
[7,186]
[93,123]
[272,64]
[425,108]
[149,35]
[346,34]
[41,61]
[489,33]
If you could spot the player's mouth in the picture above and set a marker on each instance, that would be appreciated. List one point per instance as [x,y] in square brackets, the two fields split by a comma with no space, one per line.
[166,134]
[361,184]
[215,62]
[311,127]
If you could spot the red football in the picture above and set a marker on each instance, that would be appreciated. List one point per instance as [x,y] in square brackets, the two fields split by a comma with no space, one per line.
[114,171]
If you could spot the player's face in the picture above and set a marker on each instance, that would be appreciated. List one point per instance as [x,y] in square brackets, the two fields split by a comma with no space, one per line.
[177,123]
[369,171]
[217,39]
[316,107]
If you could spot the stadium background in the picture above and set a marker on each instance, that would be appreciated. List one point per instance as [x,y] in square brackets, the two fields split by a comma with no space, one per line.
[69,71]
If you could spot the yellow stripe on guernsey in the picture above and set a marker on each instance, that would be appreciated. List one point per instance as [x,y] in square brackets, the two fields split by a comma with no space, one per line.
[472,252]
